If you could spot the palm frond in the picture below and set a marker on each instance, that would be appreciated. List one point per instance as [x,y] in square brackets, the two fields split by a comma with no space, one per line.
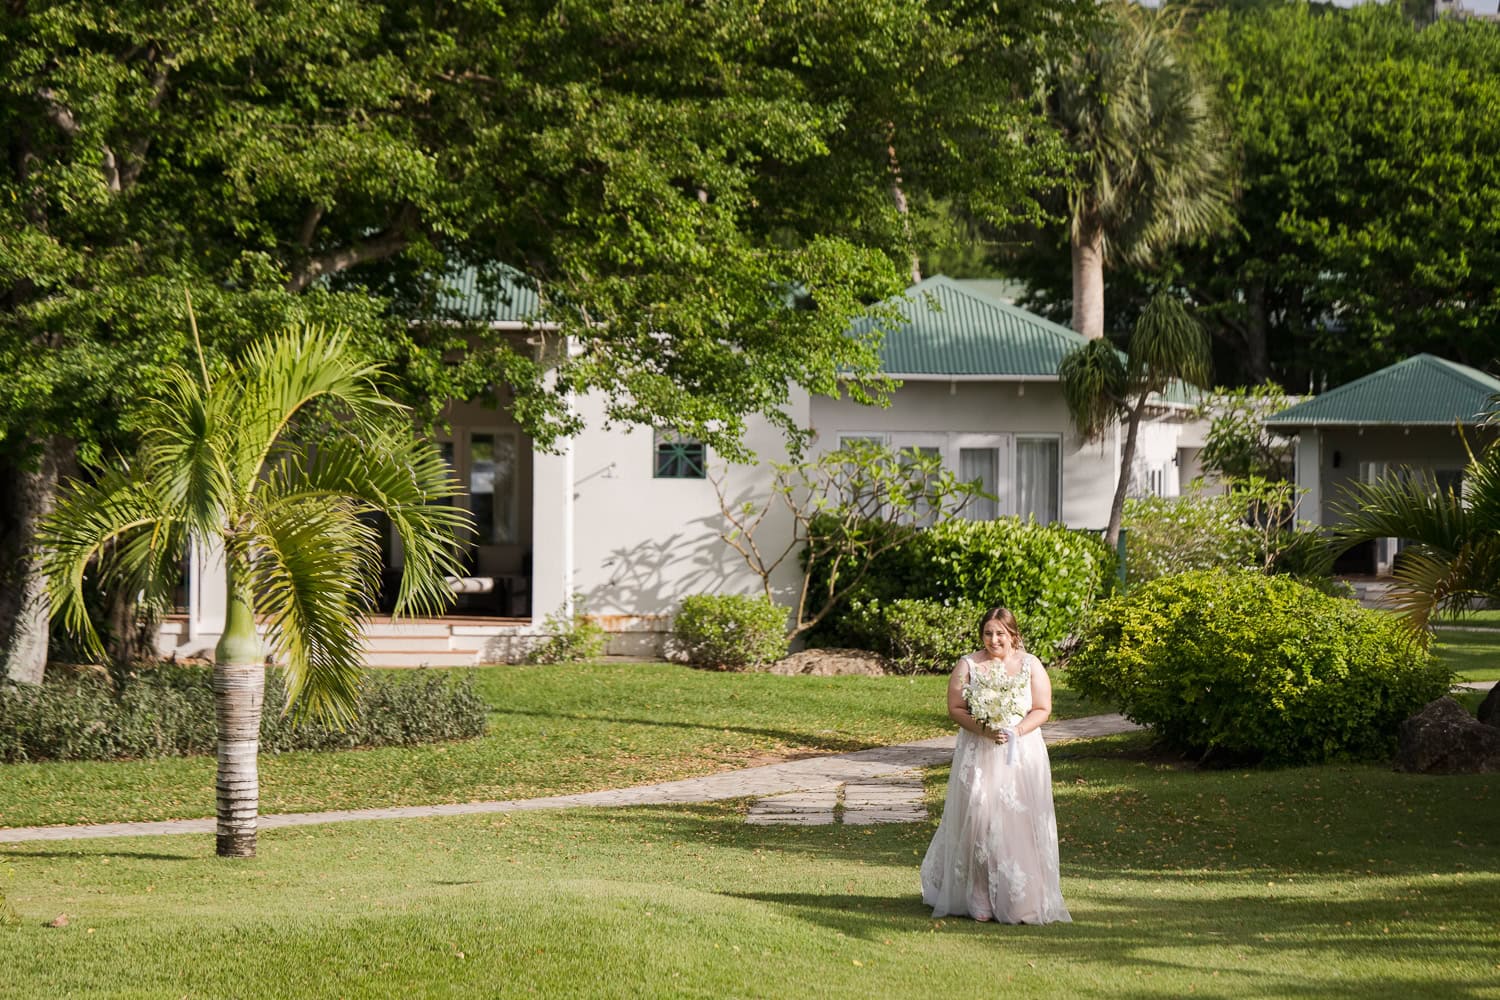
[1168,343]
[1093,381]
[1403,507]
[117,523]
[397,474]
[185,446]
[280,377]
[313,569]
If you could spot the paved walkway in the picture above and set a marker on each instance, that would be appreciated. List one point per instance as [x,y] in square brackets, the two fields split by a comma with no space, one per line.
[875,785]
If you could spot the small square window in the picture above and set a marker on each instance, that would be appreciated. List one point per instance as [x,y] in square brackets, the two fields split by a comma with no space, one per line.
[679,457]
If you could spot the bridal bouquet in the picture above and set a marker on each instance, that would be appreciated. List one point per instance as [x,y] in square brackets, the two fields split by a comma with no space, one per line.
[994,699]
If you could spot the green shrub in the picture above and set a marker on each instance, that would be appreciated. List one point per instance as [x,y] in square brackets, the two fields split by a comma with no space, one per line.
[917,636]
[1257,667]
[1047,574]
[570,638]
[729,631]
[168,711]
[1166,535]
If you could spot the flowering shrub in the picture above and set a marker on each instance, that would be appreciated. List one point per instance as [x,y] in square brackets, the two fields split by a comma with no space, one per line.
[729,631]
[1255,666]
[1166,535]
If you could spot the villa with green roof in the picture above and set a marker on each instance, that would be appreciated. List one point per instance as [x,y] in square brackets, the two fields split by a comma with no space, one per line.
[627,518]
[1417,417]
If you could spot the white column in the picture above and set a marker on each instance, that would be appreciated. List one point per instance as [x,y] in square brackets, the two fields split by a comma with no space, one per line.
[552,554]
[208,589]
[1309,474]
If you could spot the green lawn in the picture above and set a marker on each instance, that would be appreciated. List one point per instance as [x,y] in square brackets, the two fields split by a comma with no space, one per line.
[1345,882]
[1474,655]
[554,730]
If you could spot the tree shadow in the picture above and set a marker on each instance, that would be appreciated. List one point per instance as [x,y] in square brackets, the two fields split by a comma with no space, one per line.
[21,851]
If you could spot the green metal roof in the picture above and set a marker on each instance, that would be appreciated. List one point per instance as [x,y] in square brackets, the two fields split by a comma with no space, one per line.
[1422,390]
[946,328]
[497,294]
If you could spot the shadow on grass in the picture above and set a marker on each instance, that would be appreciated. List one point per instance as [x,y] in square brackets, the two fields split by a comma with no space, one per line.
[23,853]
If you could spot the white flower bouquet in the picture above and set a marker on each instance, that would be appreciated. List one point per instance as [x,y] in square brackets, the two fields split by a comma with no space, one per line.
[995,699]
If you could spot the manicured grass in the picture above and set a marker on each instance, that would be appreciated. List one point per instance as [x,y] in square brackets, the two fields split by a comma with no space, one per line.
[1317,882]
[554,730]
[1473,655]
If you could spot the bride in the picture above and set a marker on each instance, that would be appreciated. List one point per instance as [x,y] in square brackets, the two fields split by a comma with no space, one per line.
[994,856]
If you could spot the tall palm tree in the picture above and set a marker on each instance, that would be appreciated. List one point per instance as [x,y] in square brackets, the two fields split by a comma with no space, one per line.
[1153,164]
[1101,387]
[275,459]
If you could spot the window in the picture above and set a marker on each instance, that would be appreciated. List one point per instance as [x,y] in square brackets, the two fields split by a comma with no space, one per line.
[925,516]
[679,457]
[983,465]
[492,486]
[1038,475]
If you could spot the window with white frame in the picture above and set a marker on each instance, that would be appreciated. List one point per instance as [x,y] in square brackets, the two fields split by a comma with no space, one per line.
[492,481]
[1019,473]
[1039,477]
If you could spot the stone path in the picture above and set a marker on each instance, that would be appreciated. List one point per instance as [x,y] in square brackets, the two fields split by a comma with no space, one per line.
[879,785]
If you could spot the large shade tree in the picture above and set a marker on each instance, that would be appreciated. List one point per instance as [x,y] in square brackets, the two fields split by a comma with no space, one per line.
[1151,167]
[277,460]
[1103,390]
[664,171]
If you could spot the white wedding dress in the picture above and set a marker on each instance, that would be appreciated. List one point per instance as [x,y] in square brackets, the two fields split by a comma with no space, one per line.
[995,852]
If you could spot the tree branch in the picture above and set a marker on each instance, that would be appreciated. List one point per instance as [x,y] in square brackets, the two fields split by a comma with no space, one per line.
[58,113]
[390,241]
[310,226]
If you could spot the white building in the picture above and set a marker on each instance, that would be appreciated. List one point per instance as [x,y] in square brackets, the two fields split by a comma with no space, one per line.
[629,519]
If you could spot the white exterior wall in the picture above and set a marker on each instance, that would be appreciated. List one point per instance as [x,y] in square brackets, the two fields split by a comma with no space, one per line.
[948,411]
[641,544]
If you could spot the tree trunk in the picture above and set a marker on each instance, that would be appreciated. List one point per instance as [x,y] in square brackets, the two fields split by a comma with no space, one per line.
[239,692]
[29,490]
[1257,335]
[1088,284]
[1127,459]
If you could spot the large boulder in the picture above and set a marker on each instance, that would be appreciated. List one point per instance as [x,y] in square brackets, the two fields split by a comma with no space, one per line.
[830,662]
[1443,738]
[1489,709]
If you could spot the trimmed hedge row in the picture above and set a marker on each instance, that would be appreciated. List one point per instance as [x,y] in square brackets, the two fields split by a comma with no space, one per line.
[1047,574]
[168,711]
[1251,667]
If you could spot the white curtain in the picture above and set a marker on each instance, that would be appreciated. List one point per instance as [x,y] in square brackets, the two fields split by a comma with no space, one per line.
[982,464]
[1037,466]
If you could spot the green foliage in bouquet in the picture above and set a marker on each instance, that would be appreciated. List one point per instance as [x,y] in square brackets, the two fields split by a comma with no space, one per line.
[1236,664]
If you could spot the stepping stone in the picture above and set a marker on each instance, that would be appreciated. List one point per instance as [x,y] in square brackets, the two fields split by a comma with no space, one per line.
[867,817]
[791,819]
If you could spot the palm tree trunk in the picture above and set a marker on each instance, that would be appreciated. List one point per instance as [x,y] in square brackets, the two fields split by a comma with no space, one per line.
[239,691]
[1127,459]
[1088,283]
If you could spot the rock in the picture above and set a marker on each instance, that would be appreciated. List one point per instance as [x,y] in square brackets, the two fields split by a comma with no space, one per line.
[1445,739]
[61,920]
[1489,709]
[831,662]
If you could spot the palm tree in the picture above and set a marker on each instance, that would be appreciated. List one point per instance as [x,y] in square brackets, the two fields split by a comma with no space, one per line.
[276,460]
[1153,157]
[1452,555]
[1100,387]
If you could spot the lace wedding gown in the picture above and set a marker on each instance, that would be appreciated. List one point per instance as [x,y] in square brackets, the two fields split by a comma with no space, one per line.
[995,852]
